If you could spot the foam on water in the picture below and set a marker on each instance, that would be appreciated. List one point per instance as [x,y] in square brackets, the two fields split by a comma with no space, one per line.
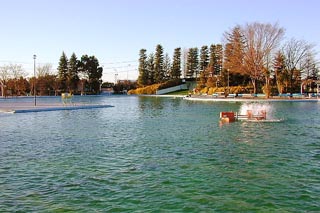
[256,109]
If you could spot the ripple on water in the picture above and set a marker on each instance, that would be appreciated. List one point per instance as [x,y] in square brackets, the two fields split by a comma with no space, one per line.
[159,154]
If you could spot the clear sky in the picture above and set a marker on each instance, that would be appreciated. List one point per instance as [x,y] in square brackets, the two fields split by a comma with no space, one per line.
[115,30]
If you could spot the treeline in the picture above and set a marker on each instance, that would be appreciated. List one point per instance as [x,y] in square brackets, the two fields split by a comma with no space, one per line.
[75,76]
[82,75]
[157,68]
[254,56]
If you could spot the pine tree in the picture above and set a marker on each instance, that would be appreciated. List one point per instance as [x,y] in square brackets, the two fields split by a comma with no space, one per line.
[234,51]
[150,69]
[73,77]
[63,71]
[281,74]
[203,65]
[218,59]
[184,61]
[158,64]
[204,58]
[192,63]
[176,64]
[167,67]
[143,74]
[196,61]
[212,60]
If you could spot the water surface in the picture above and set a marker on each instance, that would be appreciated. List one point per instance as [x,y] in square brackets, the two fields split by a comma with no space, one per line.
[151,154]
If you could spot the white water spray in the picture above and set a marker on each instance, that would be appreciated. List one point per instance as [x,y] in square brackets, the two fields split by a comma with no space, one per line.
[256,109]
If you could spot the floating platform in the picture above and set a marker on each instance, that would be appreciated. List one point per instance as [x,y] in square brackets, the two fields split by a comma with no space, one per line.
[228,117]
[26,107]
[264,121]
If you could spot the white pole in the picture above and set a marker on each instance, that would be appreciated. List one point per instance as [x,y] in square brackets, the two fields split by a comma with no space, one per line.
[34,82]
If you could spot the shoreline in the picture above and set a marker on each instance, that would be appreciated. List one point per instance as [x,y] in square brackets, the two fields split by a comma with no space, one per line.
[253,99]
[234,99]
[19,107]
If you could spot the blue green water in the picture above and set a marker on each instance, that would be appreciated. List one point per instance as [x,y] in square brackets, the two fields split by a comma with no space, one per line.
[151,154]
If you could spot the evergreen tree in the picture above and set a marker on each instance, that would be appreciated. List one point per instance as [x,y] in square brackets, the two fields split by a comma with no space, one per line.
[167,67]
[196,61]
[192,63]
[150,69]
[281,73]
[184,61]
[73,77]
[63,71]
[204,58]
[176,64]
[158,64]
[143,72]
[215,61]
[234,51]
[218,59]
[203,65]
[212,60]
[89,65]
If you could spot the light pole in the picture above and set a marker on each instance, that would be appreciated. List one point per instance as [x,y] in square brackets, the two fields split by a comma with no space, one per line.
[228,82]
[128,72]
[115,76]
[34,82]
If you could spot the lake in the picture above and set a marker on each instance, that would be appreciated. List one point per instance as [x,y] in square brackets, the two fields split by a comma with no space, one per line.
[149,154]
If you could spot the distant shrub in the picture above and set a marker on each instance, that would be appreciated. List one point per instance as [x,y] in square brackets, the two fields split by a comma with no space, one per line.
[151,89]
[170,83]
[204,90]
[212,90]
[148,90]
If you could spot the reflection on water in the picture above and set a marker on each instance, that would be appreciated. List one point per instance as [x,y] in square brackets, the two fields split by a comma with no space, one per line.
[159,154]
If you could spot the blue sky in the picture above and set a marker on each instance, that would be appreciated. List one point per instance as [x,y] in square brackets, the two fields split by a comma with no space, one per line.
[115,30]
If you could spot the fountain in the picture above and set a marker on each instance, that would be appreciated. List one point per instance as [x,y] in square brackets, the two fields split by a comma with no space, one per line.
[250,112]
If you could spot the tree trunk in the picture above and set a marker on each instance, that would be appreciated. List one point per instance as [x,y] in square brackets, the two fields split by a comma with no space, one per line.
[267,88]
[2,90]
[254,84]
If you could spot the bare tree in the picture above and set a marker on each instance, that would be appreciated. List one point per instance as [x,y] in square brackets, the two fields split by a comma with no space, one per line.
[296,53]
[44,79]
[261,41]
[4,77]
[44,70]
[309,65]
[16,71]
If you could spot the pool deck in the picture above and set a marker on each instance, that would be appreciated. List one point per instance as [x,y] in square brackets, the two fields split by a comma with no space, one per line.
[45,107]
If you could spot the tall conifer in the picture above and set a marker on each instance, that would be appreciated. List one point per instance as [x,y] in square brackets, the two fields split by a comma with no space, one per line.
[158,64]
[193,63]
[73,77]
[204,58]
[176,64]
[150,69]
[63,71]
[166,67]
[143,74]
